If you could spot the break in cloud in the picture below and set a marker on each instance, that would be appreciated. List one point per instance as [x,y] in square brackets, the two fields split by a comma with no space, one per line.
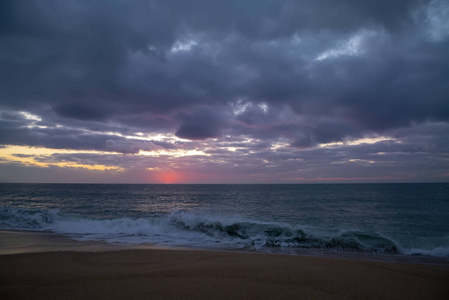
[224,91]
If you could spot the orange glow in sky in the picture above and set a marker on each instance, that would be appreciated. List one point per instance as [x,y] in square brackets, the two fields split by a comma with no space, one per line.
[170,177]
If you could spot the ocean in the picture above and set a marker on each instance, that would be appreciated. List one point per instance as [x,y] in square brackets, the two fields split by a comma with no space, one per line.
[377,219]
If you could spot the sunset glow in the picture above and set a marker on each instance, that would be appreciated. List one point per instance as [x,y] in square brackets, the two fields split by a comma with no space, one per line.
[282,127]
[348,91]
[42,157]
[170,177]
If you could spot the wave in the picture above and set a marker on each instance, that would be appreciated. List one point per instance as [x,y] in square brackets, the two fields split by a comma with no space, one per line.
[187,228]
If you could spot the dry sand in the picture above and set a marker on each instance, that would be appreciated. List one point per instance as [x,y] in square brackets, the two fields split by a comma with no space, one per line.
[184,274]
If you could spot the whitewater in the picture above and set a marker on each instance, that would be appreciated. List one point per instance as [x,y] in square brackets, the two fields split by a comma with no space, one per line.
[390,219]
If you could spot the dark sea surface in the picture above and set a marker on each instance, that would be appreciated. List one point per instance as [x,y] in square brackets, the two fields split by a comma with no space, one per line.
[387,219]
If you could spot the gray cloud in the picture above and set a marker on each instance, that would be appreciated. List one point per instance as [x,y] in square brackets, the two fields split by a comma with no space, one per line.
[201,124]
[299,73]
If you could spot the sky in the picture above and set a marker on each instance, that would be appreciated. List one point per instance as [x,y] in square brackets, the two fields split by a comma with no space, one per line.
[247,91]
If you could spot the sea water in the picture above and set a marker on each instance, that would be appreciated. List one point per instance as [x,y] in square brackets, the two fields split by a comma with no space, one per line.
[390,219]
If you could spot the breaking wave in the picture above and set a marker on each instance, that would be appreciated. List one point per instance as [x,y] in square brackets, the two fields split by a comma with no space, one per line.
[187,228]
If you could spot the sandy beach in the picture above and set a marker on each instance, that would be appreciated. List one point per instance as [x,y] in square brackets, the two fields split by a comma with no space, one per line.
[184,274]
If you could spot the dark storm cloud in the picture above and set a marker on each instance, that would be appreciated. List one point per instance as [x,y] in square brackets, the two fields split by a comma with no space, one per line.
[82,112]
[302,73]
[17,130]
[201,124]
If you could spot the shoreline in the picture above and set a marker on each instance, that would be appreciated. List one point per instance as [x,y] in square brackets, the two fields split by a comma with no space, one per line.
[196,274]
[23,241]
[55,267]
[13,241]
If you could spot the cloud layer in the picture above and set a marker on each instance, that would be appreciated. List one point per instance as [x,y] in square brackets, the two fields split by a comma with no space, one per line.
[272,90]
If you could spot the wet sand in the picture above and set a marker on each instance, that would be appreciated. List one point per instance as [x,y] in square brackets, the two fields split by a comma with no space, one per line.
[185,274]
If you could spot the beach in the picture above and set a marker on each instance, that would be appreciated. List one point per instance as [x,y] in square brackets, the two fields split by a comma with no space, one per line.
[224,242]
[195,274]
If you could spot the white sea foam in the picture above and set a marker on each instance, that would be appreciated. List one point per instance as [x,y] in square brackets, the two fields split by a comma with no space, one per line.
[438,251]
[205,229]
